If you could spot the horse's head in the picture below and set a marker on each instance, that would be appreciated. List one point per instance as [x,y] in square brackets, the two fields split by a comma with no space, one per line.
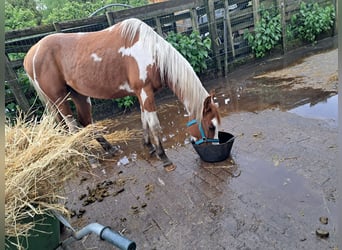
[207,129]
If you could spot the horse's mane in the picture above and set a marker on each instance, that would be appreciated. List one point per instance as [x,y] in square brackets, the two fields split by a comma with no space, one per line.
[181,77]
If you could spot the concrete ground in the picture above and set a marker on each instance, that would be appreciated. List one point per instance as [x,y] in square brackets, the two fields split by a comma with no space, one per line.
[269,195]
[277,191]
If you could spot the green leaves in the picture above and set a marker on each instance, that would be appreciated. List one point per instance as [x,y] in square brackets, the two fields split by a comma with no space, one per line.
[312,20]
[266,35]
[192,47]
[29,13]
[126,102]
[18,18]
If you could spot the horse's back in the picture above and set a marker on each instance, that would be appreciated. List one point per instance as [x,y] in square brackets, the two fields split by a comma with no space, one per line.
[98,64]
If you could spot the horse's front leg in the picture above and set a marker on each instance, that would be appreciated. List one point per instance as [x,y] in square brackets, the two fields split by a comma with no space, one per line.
[151,124]
[146,134]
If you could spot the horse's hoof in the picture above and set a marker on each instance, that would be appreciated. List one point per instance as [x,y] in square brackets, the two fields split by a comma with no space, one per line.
[169,166]
[152,150]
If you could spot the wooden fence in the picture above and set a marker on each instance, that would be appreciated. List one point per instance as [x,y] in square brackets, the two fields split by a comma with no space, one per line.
[224,21]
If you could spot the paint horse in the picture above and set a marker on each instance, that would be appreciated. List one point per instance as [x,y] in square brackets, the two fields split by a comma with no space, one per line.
[128,58]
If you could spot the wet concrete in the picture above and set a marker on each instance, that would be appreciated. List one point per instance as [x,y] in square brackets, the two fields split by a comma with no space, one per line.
[270,194]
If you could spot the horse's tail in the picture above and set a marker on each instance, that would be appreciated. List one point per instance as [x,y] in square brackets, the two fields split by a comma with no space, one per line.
[29,66]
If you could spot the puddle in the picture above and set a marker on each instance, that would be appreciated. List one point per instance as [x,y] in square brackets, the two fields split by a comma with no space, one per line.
[327,110]
[253,95]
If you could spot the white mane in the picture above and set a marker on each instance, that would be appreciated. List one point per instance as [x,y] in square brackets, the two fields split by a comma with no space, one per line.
[172,65]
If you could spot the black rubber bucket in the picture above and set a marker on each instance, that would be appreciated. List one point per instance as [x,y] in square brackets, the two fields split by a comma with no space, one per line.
[213,152]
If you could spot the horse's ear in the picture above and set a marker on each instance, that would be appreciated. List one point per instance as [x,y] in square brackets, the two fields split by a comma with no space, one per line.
[207,105]
[212,93]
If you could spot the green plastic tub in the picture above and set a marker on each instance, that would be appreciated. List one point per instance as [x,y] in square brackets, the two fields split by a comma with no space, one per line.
[44,236]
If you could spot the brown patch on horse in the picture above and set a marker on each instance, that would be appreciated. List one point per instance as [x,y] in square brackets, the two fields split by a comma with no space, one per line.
[209,107]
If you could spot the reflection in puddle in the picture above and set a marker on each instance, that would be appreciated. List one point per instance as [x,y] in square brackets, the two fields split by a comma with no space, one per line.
[327,109]
[257,94]
[254,96]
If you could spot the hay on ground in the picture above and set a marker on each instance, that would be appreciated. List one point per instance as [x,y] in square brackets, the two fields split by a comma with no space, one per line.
[39,158]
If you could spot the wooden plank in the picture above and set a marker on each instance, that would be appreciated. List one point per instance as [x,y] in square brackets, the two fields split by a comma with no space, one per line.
[242,26]
[238,16]
[57,27]
[43,29]
[194,19]
[213,35]
[83,22]
[159,29]
[256,11]
[281,5]
[12,81]
[179,16]
[157,9]
[110,19]
[16,64]
[229,27]
[29,32]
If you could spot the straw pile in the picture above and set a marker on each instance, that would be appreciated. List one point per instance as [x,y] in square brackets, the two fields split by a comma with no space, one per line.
[39,158]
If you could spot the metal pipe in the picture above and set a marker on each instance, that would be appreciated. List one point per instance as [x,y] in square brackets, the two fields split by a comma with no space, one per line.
[110,5]
[105,233]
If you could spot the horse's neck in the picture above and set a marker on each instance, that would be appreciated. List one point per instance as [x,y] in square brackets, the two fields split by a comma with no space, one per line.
[193,106]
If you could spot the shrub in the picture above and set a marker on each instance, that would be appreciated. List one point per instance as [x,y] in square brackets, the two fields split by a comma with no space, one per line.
[267,33]
[193,47]
[126,102]
[312,20]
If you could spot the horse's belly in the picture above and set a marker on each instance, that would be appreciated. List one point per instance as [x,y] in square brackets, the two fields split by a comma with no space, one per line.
[102,91]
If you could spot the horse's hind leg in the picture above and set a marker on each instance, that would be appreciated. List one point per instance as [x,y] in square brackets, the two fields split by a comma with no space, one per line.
[83,108]
[64,113]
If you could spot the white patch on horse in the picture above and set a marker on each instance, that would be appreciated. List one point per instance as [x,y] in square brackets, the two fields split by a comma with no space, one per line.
[193,138]
[152,120]
[141,56]
[126,87]
[215,123]
[34,65]
[89,100]
[186,105]
[95,57]
[143,96]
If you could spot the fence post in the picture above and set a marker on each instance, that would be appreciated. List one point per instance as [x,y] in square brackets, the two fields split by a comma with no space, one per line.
[12,80]
[57,27]
[194,19]
[213,34]
[158,26]
[256,15]
[281,5]
[228,35]
[229,26]
[334,30]
[110,18]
